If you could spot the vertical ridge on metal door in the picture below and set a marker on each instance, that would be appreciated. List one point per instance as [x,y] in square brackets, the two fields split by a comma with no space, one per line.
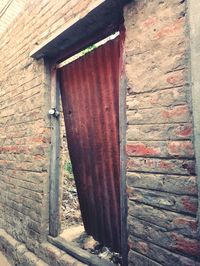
[90,98]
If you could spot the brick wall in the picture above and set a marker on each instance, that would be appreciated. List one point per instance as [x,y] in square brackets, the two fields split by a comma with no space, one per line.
[160,167]
[24,121]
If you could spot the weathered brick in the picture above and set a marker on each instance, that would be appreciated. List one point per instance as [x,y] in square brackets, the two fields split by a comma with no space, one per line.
[160,254]
[163,200]
[182,185]
[20,255]
[159,126]
[165,98]
[164,238]
[139,260]
[159,115]
[169,149]
[143,149]
[174,222]
[159,132]
[161,179]
[165,166]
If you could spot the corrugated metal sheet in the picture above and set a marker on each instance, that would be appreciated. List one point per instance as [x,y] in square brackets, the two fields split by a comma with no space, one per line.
[90,97]
[9,10]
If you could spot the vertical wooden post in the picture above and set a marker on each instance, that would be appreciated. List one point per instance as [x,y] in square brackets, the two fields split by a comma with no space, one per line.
[54,210]
[122,132]
[194,20]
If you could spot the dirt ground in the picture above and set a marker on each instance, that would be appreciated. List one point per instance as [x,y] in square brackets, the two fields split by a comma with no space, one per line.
[3,260]
[77,235]
[70,210]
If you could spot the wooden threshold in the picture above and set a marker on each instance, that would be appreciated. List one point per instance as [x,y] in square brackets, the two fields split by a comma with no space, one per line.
[77,252]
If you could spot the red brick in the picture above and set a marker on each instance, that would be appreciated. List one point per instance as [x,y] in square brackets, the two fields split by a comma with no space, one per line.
[161,115]
[168,166]
[160,135]
[14,149]
[185,245]
[178,111]
[171,29]
[189,204]
[141,149]
[186,222]
[176,78]
[156,132]
[150,21]
[184,148]
[184,131]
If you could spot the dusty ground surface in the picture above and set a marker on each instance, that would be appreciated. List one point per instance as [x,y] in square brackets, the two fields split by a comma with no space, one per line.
[77,235]
[70,210]
[3,260]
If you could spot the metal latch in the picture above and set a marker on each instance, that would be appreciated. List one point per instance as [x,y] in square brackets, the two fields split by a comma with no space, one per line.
[54,112]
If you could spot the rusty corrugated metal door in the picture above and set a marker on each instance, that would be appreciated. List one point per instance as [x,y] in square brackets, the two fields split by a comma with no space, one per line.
[90,98]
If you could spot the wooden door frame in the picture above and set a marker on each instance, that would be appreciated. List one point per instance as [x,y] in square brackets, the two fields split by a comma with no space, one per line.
[122,135]
[54,199]
[54,184]
[54,52]
[194,20]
